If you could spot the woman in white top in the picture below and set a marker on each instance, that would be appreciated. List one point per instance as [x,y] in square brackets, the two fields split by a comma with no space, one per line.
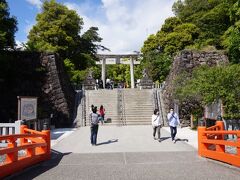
[156,124]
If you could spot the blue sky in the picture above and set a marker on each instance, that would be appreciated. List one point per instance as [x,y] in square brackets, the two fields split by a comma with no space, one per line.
[123,24]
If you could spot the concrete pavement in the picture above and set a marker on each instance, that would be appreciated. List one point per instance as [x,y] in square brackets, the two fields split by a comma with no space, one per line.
[120,139]
[127,153]
[58,135]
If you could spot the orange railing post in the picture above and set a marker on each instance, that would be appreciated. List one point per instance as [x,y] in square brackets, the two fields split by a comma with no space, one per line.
[211,144]
[48,141]
[37,145]
[220,148]
[22,140]
[238,142]
[201,136]
[12,157]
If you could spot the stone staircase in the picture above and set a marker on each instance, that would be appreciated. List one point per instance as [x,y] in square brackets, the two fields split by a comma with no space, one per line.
[137,105]
[107,98]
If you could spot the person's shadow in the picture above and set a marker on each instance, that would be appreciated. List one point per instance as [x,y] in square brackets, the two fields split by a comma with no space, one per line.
[164,138]
[178,139]
[108,142]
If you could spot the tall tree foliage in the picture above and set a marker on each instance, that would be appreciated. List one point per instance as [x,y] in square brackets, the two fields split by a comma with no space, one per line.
[211,17]
[202,24]
[209,84]
[198,24]
[58,30]
[231,38]
[8,26]
[158,49]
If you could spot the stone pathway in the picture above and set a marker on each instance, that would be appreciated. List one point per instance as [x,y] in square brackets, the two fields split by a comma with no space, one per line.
[127,153]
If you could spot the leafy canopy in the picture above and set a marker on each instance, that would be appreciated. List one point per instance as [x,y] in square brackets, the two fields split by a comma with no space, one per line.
[58,30]
[8,27]
[207,84]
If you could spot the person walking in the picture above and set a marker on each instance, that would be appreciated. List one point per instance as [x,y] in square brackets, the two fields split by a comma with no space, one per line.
[102,113]
[156,124]
[173,121]
[94,120]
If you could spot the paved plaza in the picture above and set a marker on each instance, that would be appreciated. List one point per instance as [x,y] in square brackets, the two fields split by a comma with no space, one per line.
[127,152]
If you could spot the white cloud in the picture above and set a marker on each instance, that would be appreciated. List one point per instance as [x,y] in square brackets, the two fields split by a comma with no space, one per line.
[124,25]
[36,3]
[28,27]
[19,45]
[130,24]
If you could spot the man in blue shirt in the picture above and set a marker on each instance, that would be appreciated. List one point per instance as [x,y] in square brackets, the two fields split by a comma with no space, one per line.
[173,120]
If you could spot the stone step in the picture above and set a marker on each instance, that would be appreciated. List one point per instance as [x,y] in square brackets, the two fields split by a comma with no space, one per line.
[138,105]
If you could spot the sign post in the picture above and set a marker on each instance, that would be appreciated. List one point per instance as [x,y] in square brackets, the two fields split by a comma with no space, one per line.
[27,109]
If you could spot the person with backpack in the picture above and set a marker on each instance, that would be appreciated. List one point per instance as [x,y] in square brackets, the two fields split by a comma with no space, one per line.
[156,124]
[173,121]
[94,120]
[102,113]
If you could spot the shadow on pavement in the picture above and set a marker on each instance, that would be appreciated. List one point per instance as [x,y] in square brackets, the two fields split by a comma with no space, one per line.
[108,142]
[164,138]
[55,136]
[178,139]
[35,170]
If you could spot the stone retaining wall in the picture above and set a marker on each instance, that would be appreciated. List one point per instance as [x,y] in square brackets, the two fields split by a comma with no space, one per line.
[36,74]
[186,61]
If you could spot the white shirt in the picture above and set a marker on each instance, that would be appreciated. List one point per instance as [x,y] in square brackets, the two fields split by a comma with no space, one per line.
[156,120]
[173,119]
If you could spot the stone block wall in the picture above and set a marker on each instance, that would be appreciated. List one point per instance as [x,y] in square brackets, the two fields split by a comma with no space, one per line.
[36,74]
[186,61]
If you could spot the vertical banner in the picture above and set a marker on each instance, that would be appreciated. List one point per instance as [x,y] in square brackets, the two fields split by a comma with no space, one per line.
[27,108]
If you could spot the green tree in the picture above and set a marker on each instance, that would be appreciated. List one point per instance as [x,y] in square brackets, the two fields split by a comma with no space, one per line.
[231,37]
[8,27]
[222,82]
[191,10]
[58,30]
[119,73]
[213,24]
[212,17]
[157,64]
[232,43]
[159,49]
[235,11]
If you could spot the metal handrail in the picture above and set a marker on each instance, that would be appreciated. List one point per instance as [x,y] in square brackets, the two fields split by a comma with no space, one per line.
[121,107]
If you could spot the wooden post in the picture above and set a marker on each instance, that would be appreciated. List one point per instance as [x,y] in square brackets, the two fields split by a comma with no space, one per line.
[220,148]
[12,157]
[48,141]
[201,136]
[238,141]
[192,118]
[22,140]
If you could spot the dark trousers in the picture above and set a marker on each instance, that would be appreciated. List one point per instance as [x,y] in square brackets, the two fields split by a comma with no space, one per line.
[173,132]
[156,129]
[94,131]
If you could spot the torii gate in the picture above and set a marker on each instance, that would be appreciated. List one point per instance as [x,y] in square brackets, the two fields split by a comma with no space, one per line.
[118,59]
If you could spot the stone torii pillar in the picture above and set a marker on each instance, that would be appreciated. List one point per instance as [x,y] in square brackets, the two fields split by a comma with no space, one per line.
[104,72]
[118,59]
[132,72]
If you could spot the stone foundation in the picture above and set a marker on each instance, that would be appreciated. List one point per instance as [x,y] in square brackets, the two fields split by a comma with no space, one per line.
[186,61]
[40,75]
